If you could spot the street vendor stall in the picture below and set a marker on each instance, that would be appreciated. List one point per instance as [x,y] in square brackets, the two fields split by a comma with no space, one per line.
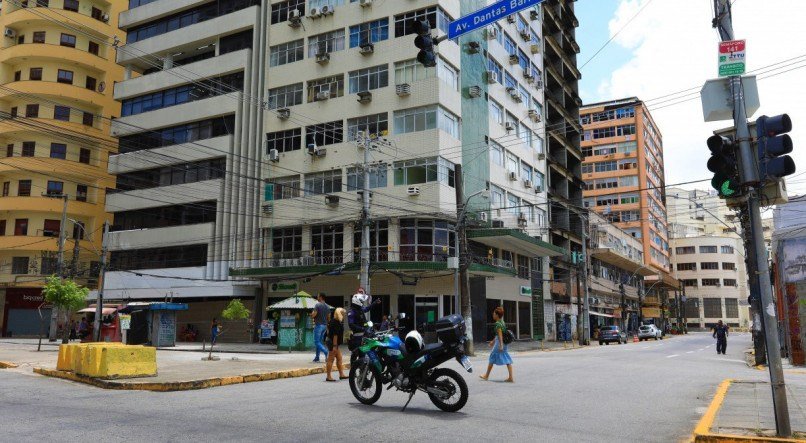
[295,331]
[152,323]
[110,323]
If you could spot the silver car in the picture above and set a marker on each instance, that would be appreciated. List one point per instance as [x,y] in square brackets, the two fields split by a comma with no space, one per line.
[647,332]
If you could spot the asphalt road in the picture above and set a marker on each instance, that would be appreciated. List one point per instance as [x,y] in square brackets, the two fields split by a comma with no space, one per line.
[650,391]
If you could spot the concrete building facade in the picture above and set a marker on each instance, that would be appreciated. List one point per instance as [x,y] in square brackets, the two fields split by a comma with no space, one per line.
[56,102]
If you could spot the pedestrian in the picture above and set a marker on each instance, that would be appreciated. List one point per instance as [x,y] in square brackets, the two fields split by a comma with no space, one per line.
[384,323]
[83,329]
[335,333]
[721,336]
[321,315]
[215,329]
[499,355]
[73,330]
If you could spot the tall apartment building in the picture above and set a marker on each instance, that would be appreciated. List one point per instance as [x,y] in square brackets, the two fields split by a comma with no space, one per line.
[188,185]
[342,78]
[57,73]
[708,258]
[624,182]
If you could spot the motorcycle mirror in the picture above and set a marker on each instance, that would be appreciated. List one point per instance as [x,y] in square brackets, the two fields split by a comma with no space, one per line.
[402,315]
[369,324]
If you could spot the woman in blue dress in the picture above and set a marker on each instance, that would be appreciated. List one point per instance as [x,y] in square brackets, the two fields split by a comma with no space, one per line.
[499,355]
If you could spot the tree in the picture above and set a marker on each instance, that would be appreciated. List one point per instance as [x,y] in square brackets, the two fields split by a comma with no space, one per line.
[235,310]
[67,296]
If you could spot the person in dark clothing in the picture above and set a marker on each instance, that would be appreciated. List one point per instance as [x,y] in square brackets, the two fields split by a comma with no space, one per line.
[356,317]
[335,332]
[721,336]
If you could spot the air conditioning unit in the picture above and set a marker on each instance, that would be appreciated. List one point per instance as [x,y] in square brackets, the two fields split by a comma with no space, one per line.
[515,95]
[267,208]
[364,97]
[105,18]
[474,91]
[509,126]
[274,155]
[541,155]
[522,223]
[491,77]
[511,18]
[365,3]
[294,18]
[283,113]
[527,183]
[535,49]
[366,48]
[513,59]
[538,190]
[534,115]
[316,151]
[322,95]
[483,216]
[332,200]
[539,84]
[473,47]
[527,74]
[492,32]
[314,13]
[327,10]
[10,33]
[513,176]
[322,57]
[525,35]
[403,89]
[413,191]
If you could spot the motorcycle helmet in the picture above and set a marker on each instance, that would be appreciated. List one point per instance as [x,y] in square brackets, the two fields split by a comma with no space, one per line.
[414,342]
[361,299]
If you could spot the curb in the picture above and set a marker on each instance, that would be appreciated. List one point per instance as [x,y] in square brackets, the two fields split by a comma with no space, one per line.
[180,385]
[702,432]
[7,365]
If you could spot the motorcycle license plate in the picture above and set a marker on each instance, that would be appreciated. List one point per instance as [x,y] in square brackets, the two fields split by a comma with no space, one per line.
[466,363]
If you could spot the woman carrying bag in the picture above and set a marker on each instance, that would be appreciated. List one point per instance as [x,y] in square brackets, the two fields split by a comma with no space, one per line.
[499,355]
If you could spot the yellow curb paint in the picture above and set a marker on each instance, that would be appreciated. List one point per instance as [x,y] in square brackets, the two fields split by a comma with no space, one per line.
[7,365]
[730,438]
[704,425]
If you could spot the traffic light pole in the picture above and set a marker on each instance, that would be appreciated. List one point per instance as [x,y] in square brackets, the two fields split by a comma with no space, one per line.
[749,175]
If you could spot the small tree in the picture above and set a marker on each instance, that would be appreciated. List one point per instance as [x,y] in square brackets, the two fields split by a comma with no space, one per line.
[235,310]
[67,296]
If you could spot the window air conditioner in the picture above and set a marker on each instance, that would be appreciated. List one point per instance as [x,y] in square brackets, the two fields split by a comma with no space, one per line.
[365,3]
[511,18]
[314,13]
[268,208]
[367,48]
[473,47]
[294,18]
[525,35]
[538,190]
[509,126]
[283,113]
[274,155]
[513,176]
[474,91]
[316,151]
[328,10]
[535,49]
[413,191]
[527,74]
[513,59]
[322,57]
[364,97]
[322,95]
[534,115]
[515,95]
[533,14]
[539,84]
[491,77]
[332,200]
[105,18]
[527,183]
[403,89]
[541,155]
[492,32]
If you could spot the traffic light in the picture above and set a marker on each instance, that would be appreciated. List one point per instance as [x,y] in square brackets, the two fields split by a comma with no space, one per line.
[425,43]
[724,165]
[773,144]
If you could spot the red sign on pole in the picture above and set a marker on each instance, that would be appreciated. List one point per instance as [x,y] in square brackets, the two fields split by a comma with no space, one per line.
[731,58]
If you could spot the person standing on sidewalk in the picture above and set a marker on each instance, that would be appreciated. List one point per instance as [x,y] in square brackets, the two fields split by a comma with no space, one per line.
[321,315]
[721,336]
[335,333]
[499,355]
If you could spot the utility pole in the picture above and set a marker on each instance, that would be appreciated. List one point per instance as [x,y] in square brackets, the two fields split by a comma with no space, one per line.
[623,294]
[586,330]
[74,260]
[59,263]
[464,260]
[684,301]
[759,348]
[749,175]
[99,303]
[460,209]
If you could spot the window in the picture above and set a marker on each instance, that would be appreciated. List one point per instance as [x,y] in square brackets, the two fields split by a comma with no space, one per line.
[183,94]
[513,204]
[368,79]
[691,283]
[332,86]
[496,112]
[523,266]
[377,178]
[68,40]
[729,282]
[93,48]
[166,216]
[65,76]
[372,125]
[39,37]
[496,154]
[91,83]
[2,227]
[284,141]
[324,134]
[51,228]
[20,39]
[35,74]
[6,188]
[327,243]
[207,11]
[58,150]
[17,76]
[404,23]
[680,250]
[287,53]
[21,226]
[87,118]
[326,43]
[281,11]
[687,266]
[13,111]
[728,266]
[28,149]
[424,170]
[410,71]
[286,242]
[323,182]
[707,266]
[710,282]
[61,113]
[727,249]
[707,249]
[157,258]
[495,69]
[625,130]
[55,188]
[96,13]
[174,135]
[32,111]
[19,265]
[512,163]
[286,187]
[172,175]
[81,193]
[605,166]
[692,308]
[425,118]
[538,180]
[372,32]
[378,241]
[448,74]
[426,240]
[24,188]
[712,307]
[285,96]
[732,308]
[526,171]
[71,5]
[79,231]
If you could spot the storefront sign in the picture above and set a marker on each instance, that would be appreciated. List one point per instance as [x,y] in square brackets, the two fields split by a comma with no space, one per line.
[651,312]
[526,291]
[284,287]
[125,321]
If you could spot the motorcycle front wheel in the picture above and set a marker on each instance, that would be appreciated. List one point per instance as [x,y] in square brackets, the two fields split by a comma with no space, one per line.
[370,390]
[455,388]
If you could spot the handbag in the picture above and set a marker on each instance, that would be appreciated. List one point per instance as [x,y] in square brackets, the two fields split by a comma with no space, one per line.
[509,337]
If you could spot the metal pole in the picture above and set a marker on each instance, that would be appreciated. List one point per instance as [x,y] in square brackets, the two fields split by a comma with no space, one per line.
[99,303]
[59,266]
[459,221]
[365,219]
[464,259]
[586,330]
[749,175]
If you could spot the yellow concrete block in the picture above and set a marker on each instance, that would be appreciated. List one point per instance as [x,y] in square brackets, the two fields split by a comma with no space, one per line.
[103,360]
[65,360]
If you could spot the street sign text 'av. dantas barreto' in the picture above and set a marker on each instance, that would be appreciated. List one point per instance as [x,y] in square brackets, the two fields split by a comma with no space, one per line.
[488,15]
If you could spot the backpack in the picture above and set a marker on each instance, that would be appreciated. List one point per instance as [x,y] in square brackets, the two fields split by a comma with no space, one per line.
[509,337]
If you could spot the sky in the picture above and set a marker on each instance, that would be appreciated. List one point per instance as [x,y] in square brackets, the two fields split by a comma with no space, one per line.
[670,47]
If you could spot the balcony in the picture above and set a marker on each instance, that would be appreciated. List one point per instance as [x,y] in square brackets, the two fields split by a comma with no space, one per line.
[165,195]
[39,204]
[44,51]
[160,237]
[154,10]
[102,30]
[28,88]
[175,115]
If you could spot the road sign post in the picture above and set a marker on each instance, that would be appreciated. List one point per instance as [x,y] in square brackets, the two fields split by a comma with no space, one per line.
[731,58]
[487,16]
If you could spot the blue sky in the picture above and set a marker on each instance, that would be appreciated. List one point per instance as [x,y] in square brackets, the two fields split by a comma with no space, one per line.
[594,16]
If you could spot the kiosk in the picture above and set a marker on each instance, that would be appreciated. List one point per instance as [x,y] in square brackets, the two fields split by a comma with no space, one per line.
[295,331]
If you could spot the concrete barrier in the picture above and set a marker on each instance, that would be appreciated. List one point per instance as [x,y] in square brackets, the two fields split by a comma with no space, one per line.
[108,360]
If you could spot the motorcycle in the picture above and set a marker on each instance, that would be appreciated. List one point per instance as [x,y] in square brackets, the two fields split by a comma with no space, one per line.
[382,360]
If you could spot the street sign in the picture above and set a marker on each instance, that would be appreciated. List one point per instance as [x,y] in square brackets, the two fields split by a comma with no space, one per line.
[731,58]
[526,291]
[488,15]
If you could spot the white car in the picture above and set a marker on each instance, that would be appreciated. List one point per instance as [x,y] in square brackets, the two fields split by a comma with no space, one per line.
[647,332]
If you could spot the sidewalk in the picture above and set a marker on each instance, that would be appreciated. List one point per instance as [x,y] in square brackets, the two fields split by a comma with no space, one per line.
[743,411]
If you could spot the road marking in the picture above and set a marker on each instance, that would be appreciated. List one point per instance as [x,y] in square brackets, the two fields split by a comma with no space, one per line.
[690,352]
[672,356]
[645,347]
[701,349]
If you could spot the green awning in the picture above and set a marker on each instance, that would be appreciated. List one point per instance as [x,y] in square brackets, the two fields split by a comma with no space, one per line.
[515,241]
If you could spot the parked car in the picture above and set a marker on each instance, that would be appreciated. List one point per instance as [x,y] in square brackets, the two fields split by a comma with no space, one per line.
[610,334]
[647,332]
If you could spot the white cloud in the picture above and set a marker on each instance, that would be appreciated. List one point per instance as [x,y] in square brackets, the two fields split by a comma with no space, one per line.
[674,47]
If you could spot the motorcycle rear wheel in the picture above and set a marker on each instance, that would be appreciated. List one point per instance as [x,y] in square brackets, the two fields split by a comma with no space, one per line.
[372,383]
[456,383]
